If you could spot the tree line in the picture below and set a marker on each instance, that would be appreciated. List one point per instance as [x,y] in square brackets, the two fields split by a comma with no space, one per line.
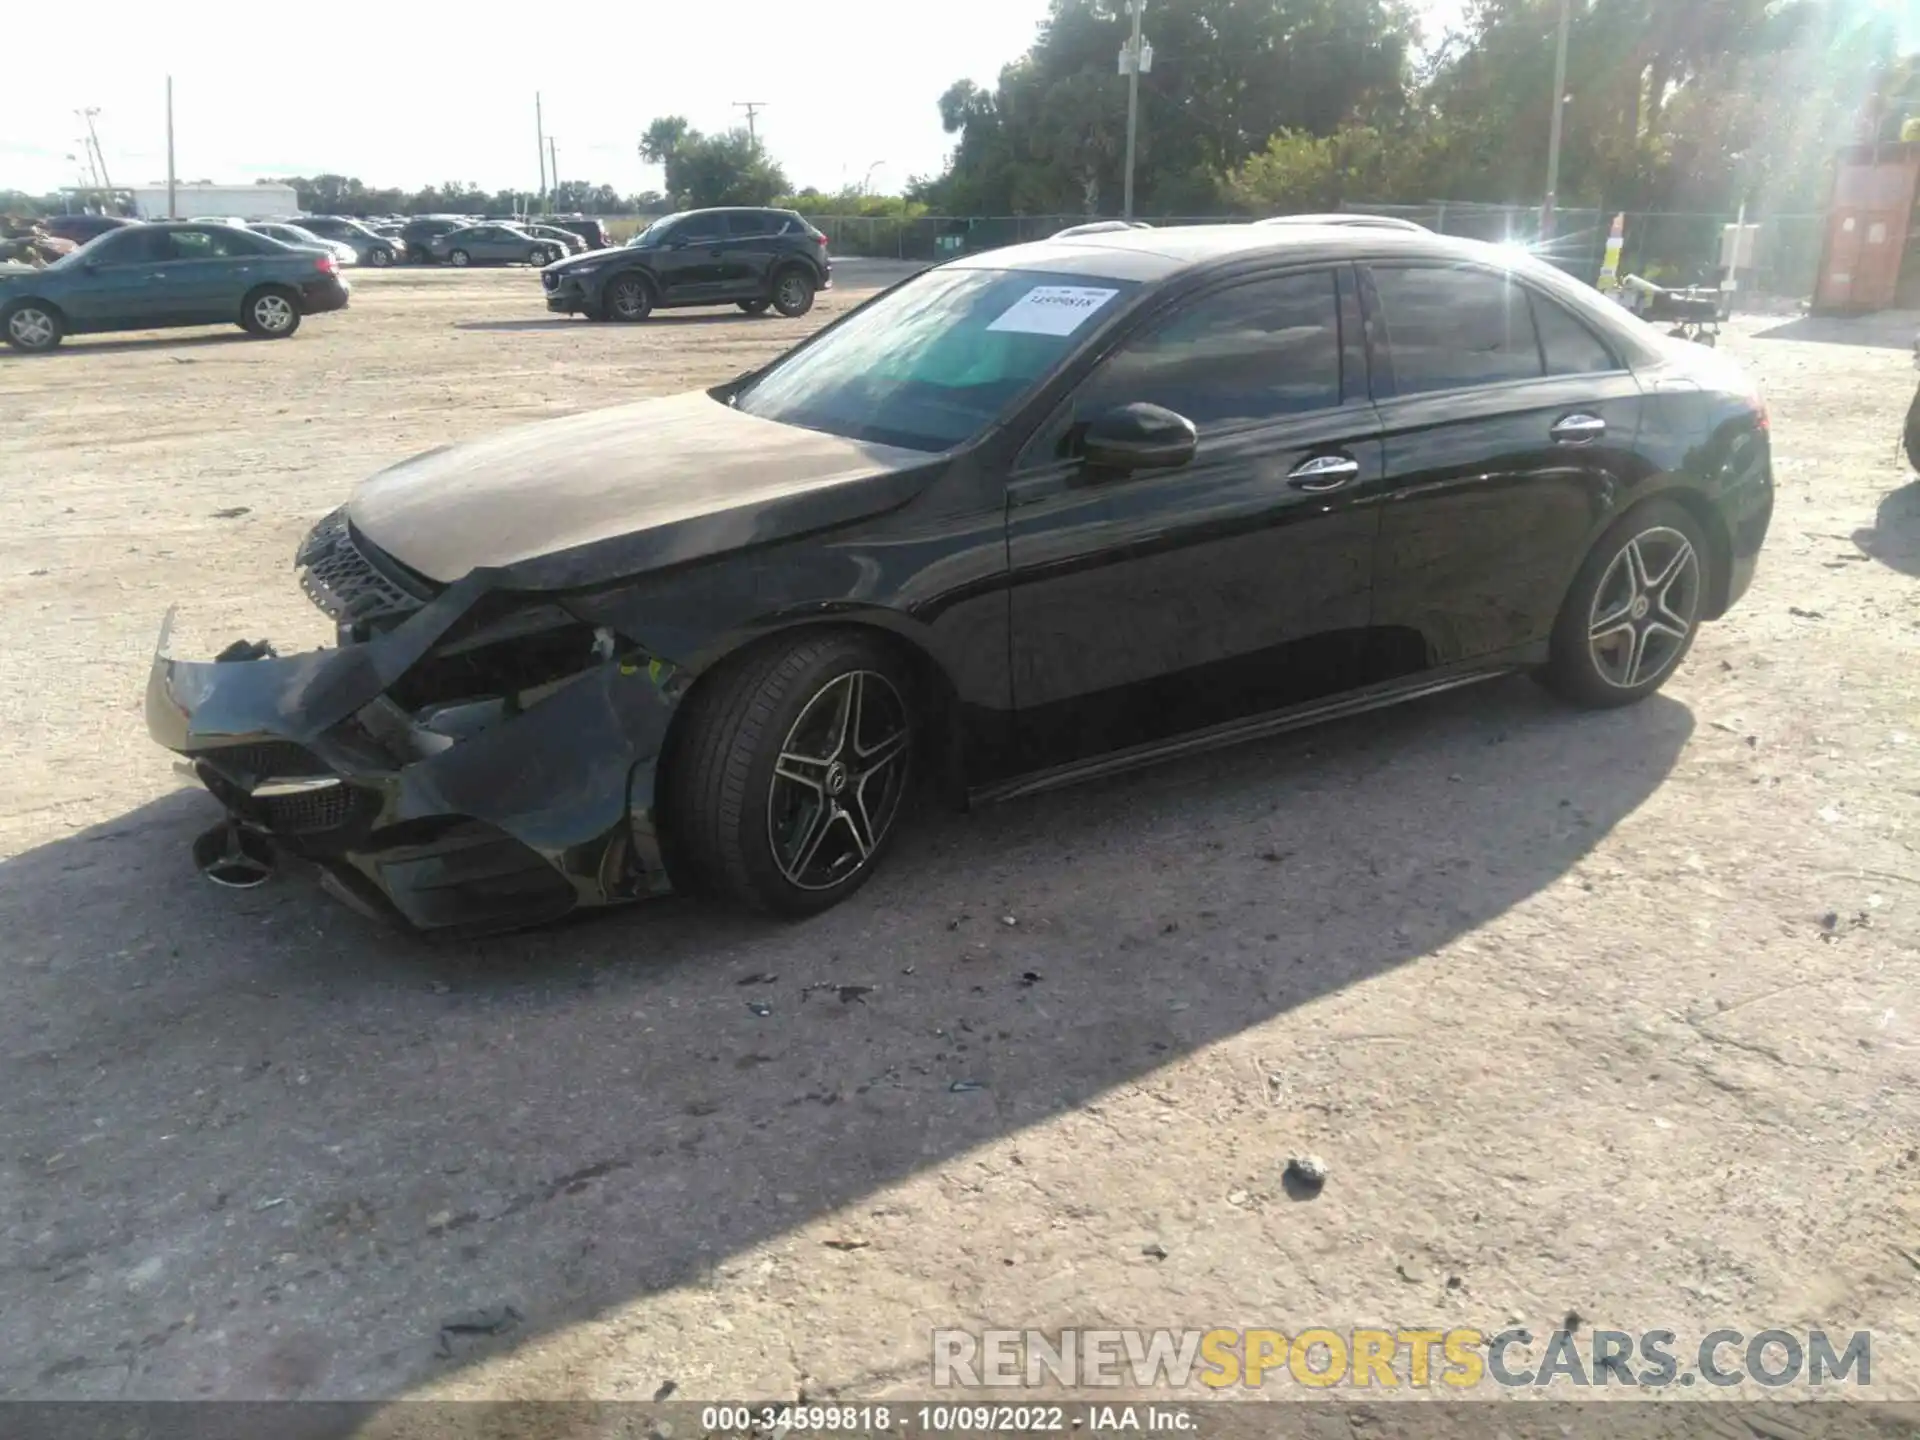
[1255,105]
[1272,105]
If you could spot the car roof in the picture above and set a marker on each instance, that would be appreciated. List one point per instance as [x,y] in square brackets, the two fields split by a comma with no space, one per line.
[1151,255]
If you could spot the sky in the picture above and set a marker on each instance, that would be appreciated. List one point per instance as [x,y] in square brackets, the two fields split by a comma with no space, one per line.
[411,95]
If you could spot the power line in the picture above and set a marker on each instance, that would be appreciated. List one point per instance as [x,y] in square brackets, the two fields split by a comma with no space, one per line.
[753,108]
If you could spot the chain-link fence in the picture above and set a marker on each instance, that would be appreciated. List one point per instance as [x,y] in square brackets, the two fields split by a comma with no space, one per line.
[1669,248]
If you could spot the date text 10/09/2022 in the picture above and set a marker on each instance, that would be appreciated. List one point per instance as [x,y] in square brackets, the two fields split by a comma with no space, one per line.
[851,1420]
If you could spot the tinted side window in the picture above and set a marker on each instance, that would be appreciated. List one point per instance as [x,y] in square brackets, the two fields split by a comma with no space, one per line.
[1570,348]
[747,224]
[1248,353]
[699,228]
[1451,328]
[124,247]
[209,244]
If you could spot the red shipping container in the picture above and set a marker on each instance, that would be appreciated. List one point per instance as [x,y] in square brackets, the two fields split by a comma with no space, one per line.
[1868,222]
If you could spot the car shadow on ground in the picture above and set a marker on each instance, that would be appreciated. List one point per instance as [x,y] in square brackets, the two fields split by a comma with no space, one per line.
[563,322]
[1886,330]
[1894,537]
[323,1138]
[77,345]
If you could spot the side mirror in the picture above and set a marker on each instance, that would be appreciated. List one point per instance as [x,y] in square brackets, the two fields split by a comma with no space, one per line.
[1139,437]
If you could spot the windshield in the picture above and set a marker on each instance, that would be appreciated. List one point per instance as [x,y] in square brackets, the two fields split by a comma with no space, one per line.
[654,231]
[931,365]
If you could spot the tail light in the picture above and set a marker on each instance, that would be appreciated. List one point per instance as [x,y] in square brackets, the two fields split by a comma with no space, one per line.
[327,265]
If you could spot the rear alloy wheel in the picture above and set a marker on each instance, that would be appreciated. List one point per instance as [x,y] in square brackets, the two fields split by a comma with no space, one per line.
[629,298]
[380,256]
[793,293]
[270,314]
[795,768]
[33,328]
[754,307]
[459,257]
[1633,611]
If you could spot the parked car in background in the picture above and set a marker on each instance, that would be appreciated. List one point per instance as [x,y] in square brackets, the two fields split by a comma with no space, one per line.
[494,243]
[82,228]
[290,234]
[590,231]
[753,258]
[372,248]
[1035,516]
[573,244]
[420,232]
[170,273]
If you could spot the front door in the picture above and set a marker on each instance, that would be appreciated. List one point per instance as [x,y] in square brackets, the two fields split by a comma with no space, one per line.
[119,291]
[1509,431]
[689,266]
[1160,602]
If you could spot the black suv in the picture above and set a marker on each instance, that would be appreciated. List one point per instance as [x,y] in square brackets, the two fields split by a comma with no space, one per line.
[591,231]
[755,259]
[421,231]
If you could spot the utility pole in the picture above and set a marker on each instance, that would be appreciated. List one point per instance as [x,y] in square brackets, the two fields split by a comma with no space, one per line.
[1558,123]
[173,210]
[553,171]
[540,136]
[753,108]
[94,136]
[1135,58]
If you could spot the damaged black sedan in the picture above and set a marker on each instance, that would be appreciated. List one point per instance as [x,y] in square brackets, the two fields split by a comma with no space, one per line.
[1033,516]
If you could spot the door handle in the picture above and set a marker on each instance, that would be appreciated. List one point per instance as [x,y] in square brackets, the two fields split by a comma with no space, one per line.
[1579,430]
[1323,473]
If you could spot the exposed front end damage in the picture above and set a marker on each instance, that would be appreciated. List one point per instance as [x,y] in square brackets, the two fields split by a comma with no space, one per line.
[467,758]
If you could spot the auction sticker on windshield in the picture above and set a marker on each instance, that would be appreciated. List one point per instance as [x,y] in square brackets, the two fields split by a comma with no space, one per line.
[1052,310]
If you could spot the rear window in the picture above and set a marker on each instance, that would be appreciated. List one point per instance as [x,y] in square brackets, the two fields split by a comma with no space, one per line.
[1450,329]
[1568,346]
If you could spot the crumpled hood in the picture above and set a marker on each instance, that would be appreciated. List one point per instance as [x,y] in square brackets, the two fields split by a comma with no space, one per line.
[689,475]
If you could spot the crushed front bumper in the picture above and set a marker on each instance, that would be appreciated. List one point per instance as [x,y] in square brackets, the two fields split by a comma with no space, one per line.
[548,809]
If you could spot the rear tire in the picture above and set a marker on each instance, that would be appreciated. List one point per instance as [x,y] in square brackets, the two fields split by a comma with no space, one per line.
[793,292]
[629,298]
[380,257]
[270,313]
[794,770]
[1633,610]
[33,327]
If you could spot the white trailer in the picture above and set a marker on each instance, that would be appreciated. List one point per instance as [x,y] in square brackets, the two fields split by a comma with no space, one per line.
[240,202]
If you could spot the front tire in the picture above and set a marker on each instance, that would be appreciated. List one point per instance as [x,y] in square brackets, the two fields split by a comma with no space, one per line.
[33,328]
[270,314]
[795,767]
[1633,610]
[459,257]
[629,298]
[793,293]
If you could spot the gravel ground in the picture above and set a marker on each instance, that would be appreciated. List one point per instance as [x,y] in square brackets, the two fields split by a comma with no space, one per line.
[1606,1014]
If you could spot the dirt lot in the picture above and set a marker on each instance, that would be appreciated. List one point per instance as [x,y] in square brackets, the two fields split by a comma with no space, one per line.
[1607,1014]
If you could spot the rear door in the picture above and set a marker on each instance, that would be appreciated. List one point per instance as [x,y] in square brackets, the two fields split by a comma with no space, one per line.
[1509,427]
[1167,601]
[748,253]
[207,272]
